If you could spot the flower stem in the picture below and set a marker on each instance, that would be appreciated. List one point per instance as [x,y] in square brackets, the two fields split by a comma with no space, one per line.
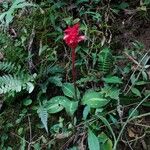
[74,72]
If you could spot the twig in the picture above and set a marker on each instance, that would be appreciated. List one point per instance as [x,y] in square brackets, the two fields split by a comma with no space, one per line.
[70,139]
[20,137]
[29,145]
[74,73]
[137,138]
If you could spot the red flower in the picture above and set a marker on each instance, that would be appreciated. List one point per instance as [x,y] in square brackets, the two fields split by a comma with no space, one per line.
[72,37]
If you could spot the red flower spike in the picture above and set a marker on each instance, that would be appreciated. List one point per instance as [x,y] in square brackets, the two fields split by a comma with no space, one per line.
[72,37]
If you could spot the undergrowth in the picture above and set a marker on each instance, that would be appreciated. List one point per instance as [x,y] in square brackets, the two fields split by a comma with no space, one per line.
[105,106]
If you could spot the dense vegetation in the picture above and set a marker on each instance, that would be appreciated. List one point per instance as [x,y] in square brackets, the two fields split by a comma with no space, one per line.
[99,103]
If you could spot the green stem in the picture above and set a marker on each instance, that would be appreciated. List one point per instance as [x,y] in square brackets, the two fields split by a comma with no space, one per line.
[74,72]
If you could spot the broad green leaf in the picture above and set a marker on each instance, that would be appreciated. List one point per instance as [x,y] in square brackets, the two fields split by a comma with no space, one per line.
[113,80]
[58,103]
[54,108]
[136,91]
[94,99]
[93,142]
[70,107]
[68,90]
[105,142]
[54,105]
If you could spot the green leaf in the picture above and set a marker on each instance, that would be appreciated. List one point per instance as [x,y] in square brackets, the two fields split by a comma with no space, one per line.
[146,2]
[76,20]
[136,91]
[111,92]
[93,142]
[70,107]
[105,142]
[147,104]
[30,87]
[27,102]
[43,115]
[68,90]
[133,79]
[123,5]
[73,148]
[136,112]
[8,15]
[9,148]
[58,103]
[68,20]
[145,75]
[94,99]
[57,80]
[23,144]
[107,125]
[37,146]
[112,79]
[141,82]
[86,112]
[20,131]
[54,105]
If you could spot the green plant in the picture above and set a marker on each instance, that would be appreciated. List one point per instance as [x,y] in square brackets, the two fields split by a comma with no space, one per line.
[15,82]
[58,103]
[40,107]
[7,17]
[105,60]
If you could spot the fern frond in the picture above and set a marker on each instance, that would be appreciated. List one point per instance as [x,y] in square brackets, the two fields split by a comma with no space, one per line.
[10,83]
[7,66]
[105,60]
[43,115]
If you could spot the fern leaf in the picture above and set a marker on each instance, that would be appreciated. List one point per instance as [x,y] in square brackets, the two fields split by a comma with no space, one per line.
[10,83]
[105,60]
[7,66]
[43,115]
